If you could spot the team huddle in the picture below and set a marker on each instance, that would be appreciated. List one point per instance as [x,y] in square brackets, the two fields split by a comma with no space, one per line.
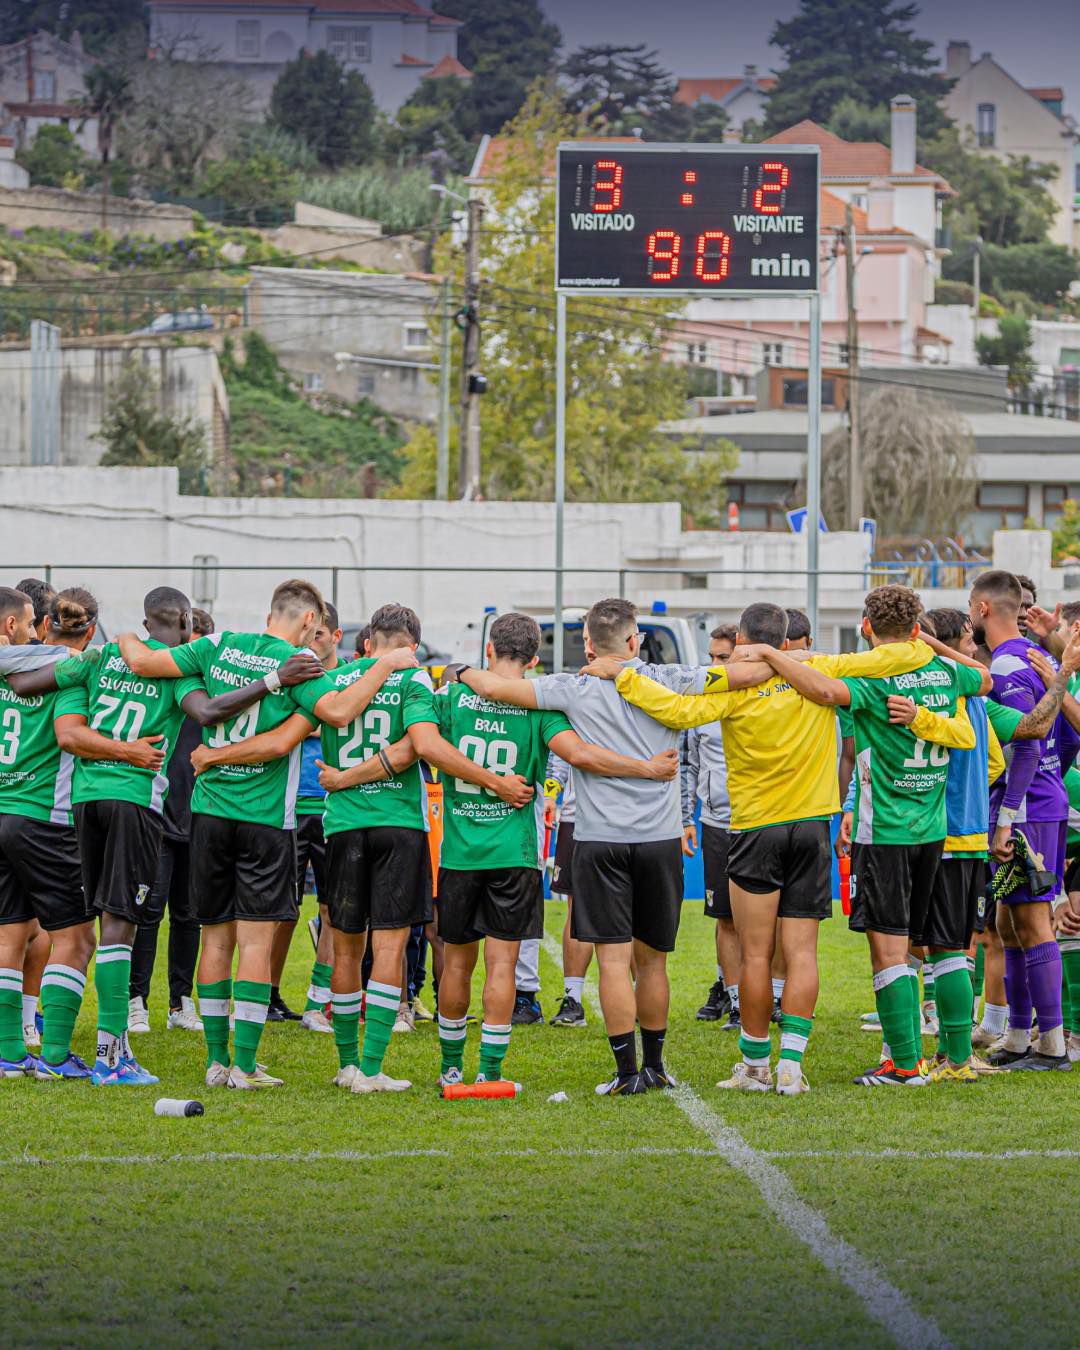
[202,772]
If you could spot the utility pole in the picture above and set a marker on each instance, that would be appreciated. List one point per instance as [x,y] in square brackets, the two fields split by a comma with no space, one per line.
[471,380]
[977,268]
[855,478]
[442,462]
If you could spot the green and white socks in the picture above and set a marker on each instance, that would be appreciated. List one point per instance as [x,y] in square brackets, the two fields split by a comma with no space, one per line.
[252,1001]
[755,1050]
[952,988]
[494,1043]
[346,1024]
[896,993]
[794,1034]
[383,1001]
[62,992]
[452,1032]
[318,994]
[214,1011]
[12,1045]
[112,981]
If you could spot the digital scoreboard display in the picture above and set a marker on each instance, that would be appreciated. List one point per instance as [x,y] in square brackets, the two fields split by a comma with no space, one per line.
[697,219]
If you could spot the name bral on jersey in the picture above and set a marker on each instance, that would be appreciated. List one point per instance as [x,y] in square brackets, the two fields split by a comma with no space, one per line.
[587,220]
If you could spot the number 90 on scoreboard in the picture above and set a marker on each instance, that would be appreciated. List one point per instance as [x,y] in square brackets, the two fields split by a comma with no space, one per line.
[686,219]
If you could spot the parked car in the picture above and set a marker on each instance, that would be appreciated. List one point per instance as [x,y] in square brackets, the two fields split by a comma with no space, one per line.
[178,321]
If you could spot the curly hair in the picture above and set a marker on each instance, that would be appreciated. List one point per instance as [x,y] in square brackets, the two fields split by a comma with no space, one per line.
[893,611]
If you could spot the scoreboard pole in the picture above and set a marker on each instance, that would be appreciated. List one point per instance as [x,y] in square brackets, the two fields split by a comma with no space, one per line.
[813,464]
[560,477]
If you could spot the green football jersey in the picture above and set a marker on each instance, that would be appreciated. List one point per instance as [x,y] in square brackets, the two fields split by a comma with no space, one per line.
[900,792]
[124,706]
[1004,720]
[480,831]
[404,700]
[259,794]
[35,775]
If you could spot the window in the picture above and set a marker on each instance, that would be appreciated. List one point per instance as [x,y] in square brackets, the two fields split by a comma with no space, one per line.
[313,383]
[796,393]
[696,353]
[247,37]
[772,353]
[349,44]
[843,355]
[45,86]
[986,124]
[417,337]
[365,386]
[1003,506]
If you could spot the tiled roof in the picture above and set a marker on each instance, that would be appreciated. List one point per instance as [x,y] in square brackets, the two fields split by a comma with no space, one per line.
[407,60]
[845,159]
[1050,92]
[43,110]
[690,90]
[449,65]
[832,216]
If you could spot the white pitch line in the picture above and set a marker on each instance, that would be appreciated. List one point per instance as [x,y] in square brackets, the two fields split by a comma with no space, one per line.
[961,1154]
[884,1302]
[339,1155]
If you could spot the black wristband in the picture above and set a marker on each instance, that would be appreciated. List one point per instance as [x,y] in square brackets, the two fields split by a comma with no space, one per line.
[385,762]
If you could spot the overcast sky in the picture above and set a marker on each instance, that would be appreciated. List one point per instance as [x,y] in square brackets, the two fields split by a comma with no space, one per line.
[1037,41]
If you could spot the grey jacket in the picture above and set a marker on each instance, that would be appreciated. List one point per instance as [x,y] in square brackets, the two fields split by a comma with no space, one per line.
[703,775]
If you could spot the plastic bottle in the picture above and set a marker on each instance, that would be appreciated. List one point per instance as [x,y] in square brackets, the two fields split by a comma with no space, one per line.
[172,1106]
[844,868]
[502,1087]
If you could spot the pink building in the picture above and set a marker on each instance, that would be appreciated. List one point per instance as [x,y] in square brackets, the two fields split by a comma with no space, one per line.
[896,206]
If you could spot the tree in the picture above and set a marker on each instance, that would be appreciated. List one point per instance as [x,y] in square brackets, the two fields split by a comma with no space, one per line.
[864,50]
[1011,348]
[620,389]
[428,122]
[97,22]
[136,432]
[919,468]
[1005,201]
[1065,540]
[506,44]
[329,108]
[54,158]
[619,89]
[108,96]
[854,121]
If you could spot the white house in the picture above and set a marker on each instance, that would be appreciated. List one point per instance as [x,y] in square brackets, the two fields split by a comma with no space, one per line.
[1007,119]
[741,97]
[41,83]
[392,43]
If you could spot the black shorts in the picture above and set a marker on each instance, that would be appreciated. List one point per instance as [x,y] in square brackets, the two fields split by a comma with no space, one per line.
[240,870]
[562,872]
[310,849]
[504,902]
[627,891]
[40,874]
[1072,875]
[119,843]
[891,886]
[959,892]
[378,877]
[988,919]
[794,859]
[715,844]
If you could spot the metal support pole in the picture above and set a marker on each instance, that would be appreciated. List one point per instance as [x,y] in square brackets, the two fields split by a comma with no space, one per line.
[560,476]
[813,466]
[442,463]
[855,474]
[469,433]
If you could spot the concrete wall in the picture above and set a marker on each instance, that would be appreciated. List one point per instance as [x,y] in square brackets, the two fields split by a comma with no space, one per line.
[57,208]
[403,254]
[309,317]
[187,379]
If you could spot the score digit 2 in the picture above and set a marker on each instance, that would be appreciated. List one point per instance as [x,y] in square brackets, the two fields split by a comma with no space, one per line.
[712,251]
[769,195]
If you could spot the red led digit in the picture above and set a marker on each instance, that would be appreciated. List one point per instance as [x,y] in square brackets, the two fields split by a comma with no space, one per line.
[721,262]
[771,207]
[689,178]
[612,184]
[663,249]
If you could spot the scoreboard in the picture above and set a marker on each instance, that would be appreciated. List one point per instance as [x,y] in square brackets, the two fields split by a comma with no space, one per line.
[690,219]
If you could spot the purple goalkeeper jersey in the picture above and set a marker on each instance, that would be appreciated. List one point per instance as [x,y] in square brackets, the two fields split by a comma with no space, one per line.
[1032,783]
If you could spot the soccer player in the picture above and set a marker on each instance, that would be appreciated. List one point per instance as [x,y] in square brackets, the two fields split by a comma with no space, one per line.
[490,886]
[576,955]
[40,872]
[900,816]
[310,849]
[377,859]
[704,780]
[170,889]
[243,844]
[627,840]
[780,749]
[1029,800]
[41,595]
[118,807]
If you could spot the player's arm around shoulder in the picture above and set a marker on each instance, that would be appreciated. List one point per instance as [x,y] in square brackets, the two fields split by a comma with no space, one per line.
[337,706]
[160,663]
[807,679]
[677,711]
[591,758]
[429,744]
[501,689]
[268,745]
[955,731]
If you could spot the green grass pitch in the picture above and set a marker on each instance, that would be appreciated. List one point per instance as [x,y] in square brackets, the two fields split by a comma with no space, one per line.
[587,1222]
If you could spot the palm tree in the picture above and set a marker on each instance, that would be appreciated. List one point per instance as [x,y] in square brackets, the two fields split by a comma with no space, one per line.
[108,96]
